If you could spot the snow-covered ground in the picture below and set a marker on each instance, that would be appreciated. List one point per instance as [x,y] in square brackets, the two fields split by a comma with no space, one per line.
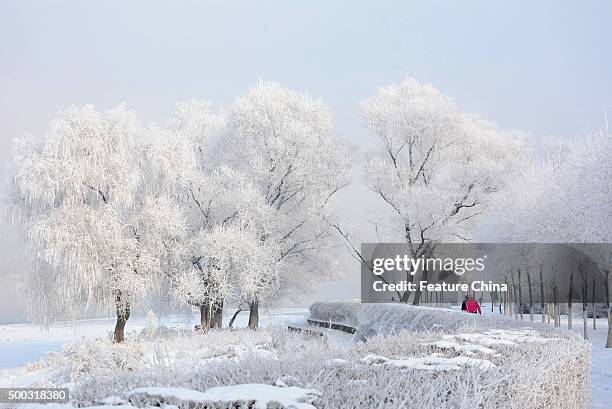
[23,343]
[601,369]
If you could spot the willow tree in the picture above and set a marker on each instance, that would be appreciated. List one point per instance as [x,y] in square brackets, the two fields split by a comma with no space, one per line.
[182,164]
[284,143]
[75,193]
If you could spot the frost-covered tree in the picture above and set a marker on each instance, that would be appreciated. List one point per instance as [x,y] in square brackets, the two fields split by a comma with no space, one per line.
[562,199]
[566,198]
[234,264]
[285,145]
[434,167]
[223,204]
[220,210]
[76,194]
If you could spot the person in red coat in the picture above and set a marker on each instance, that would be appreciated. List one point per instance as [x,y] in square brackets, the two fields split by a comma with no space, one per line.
[472,306]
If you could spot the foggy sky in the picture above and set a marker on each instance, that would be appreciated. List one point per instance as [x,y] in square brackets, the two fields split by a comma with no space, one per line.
[538,66]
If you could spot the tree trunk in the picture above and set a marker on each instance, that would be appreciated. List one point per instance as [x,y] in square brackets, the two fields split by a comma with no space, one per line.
[204,317]
[510,298]
[585,325]
[417,294]
[520,295]
[609,340]
[543,299]
[530,296]
[555,305]
[254,315]
[585,318]
[231,321]
[506,295]
[211,315]
[593,306]
[515,301]
[569,301]
[216,318]
[405,296]
[549,305]
[123,314]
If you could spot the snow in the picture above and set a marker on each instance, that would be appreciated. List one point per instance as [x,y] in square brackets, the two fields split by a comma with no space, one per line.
[465,348]
[502,337]
[337,362]
[25,343]
[264,395]
[435,362]
[372,359]
[61,406]
[113,401]
[155,395]
[14,354]
[256,396]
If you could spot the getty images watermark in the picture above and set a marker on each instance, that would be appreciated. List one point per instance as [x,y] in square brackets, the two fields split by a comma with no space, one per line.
[411,266]
[446,271]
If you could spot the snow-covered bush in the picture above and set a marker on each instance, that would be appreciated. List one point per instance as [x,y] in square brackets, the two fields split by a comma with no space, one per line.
[537,367]
[154,331]
[374,319]
[95,358]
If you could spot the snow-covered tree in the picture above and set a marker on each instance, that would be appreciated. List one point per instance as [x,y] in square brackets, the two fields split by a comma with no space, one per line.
[220,207]
[76,194]
[223,205]
[284,143]
[234,264]
[434,167]
[563,199]
[566,198]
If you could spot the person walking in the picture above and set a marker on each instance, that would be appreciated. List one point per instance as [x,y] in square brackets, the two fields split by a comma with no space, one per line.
[464,303]
[472,306]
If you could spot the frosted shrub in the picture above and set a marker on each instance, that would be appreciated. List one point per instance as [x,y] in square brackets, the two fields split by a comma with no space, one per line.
[95,359]
[151,324]
[540,367]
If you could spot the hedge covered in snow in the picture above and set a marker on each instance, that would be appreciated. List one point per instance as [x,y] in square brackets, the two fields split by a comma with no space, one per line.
[531,365]
[389,318]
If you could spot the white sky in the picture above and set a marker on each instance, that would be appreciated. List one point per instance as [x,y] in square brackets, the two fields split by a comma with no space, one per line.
[540,66]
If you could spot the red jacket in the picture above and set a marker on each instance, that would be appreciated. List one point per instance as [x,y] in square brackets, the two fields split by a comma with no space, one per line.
[473,306]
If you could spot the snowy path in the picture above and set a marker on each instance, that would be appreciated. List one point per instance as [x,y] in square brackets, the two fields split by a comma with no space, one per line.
[601,370]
